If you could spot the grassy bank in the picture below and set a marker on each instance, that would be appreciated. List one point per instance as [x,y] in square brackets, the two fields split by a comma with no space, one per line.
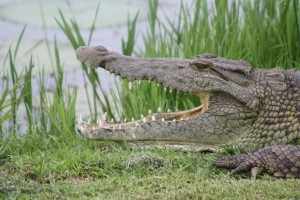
[45,159]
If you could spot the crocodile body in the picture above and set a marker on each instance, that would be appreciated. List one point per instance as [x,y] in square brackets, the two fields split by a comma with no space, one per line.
[282,161]
[241,105]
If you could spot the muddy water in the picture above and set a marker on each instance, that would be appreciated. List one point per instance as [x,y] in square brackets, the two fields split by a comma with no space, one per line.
[39,16]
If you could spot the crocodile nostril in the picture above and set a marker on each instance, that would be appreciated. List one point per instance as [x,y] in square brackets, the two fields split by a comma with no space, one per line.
[100,48]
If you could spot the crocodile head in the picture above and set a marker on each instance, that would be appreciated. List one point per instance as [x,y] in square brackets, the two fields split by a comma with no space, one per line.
[233,97]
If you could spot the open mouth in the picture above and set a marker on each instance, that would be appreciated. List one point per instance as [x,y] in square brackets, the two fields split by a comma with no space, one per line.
[213,80]
[166,117]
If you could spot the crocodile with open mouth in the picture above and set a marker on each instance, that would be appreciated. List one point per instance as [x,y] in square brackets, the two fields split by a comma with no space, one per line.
[244,106]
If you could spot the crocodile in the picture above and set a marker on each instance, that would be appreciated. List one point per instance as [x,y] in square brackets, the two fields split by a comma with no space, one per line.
[241,105]
[282,161]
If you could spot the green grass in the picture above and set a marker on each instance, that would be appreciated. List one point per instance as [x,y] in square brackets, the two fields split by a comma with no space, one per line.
[85,170]
[49,161]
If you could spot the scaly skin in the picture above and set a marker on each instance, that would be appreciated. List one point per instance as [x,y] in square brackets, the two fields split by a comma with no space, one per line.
[282,161]
[243,106]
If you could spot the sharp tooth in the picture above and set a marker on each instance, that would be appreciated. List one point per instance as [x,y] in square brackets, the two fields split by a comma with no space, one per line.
[100,123]
[153,118]
[80,119]
[104,116]
[130,85]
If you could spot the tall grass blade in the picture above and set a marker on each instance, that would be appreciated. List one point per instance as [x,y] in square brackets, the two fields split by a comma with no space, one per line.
[93,26]
[27,95]
[129,43]
[19,40]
